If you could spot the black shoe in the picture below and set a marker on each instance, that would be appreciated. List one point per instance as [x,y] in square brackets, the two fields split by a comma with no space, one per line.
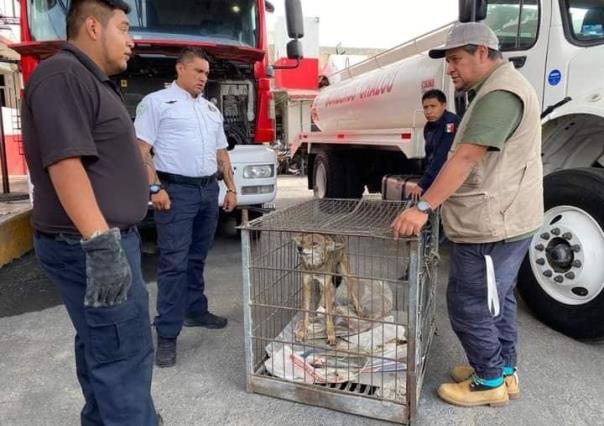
[165,355]
[208,320]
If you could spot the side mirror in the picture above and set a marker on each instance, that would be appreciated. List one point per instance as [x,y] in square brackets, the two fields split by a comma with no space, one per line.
[269,7]
[472,10]
[269,71]
[294,50]
[295,20]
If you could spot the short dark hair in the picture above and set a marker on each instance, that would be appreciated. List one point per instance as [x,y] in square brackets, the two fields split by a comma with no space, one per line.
[435,94]
[79,10]
[323,81]
[493,54]
[189,53]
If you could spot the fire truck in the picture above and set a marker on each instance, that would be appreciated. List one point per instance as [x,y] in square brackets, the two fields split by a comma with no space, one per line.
[232,32]
[370,120]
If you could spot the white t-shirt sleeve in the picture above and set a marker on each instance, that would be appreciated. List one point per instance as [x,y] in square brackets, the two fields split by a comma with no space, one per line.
[221,140]
[146,122]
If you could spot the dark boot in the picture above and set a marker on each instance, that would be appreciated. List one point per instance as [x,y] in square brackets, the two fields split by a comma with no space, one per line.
[165,355]
[208,320]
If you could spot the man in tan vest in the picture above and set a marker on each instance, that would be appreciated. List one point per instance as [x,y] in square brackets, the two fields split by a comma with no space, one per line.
[491,194]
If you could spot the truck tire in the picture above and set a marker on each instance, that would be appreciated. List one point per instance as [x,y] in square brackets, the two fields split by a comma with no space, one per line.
[329,176]
[562,276]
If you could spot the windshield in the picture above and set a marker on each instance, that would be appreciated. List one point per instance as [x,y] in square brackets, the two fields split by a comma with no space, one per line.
[586,20]
[231,22]
[516,22]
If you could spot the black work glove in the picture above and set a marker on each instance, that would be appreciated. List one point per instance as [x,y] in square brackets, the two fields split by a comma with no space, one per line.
[108,274]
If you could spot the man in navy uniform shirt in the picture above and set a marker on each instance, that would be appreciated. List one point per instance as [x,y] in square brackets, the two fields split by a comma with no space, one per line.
[439,133]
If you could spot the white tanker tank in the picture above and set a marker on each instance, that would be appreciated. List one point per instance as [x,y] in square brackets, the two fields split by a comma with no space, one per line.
[382,97]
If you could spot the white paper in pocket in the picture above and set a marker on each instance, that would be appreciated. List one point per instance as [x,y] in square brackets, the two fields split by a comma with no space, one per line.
[492,295]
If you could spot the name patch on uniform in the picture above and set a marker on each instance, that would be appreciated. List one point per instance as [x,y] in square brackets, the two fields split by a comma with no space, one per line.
[450,128]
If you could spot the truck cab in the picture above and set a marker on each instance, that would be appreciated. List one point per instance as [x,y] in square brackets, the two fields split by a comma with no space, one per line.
[558,45]
[233,34]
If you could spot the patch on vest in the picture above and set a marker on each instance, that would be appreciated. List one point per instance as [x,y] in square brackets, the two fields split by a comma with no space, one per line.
[450,128]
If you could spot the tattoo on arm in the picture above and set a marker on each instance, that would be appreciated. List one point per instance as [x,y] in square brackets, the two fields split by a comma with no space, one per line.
[148,160]
[220,160]
[224,167]
[149,164]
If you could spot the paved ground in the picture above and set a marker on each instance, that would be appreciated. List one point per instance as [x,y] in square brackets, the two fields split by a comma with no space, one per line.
[561,379]
[15,231]
[13,201]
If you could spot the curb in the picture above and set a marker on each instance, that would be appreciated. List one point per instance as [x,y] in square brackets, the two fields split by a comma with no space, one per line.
[16,235]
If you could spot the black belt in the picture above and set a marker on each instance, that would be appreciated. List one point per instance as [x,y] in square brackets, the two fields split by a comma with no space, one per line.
[74,236]
[186,180]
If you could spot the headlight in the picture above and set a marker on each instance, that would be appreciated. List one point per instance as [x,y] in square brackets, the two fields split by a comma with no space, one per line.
[259,172]
[254,190]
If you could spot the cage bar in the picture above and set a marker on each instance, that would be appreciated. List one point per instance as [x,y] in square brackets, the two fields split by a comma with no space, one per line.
[339,259]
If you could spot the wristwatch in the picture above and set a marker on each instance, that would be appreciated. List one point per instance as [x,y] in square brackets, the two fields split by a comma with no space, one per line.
[232,190]
[154,188]
[424,207]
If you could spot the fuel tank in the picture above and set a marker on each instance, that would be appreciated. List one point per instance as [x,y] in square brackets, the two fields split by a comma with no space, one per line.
[386,97]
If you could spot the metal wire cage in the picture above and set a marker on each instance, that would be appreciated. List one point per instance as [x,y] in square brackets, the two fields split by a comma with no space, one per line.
[337,313]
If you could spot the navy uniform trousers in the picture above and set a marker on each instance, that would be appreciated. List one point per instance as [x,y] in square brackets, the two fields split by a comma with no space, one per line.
[185,234]
[113,345]
[489,342]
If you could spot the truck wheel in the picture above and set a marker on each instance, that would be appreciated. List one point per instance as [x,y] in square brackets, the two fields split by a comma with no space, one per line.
[329,176]
[562,276]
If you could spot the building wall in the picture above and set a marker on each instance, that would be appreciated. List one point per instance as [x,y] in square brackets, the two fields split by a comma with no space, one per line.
[326,51]
[9,20]
[305,76]
[13,145]
[10,87]
[310,41]
[297,118]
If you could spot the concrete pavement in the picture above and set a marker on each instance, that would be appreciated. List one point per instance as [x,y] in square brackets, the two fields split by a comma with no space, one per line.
[15,221]
[562,380]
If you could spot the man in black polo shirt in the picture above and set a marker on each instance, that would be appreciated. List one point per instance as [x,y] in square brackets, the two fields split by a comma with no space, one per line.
[90,191]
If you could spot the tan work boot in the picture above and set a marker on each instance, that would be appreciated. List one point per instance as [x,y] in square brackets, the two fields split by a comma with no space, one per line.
[470,394]
[461,373]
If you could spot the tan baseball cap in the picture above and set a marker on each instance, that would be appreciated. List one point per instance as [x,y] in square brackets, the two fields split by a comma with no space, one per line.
[462,34]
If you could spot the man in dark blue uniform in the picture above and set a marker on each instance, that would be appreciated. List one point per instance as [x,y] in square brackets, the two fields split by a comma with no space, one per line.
[439,133]
[90,191]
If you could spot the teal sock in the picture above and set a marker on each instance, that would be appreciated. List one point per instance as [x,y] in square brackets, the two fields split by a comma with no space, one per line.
[490,383]
[508,371]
